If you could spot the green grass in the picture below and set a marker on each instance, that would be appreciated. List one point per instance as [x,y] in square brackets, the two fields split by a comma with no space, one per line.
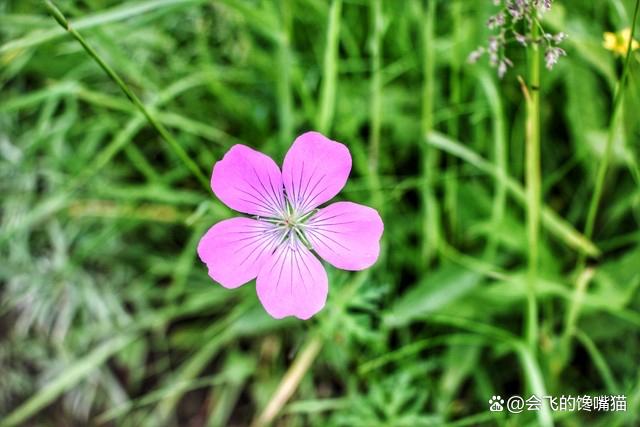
[509,263]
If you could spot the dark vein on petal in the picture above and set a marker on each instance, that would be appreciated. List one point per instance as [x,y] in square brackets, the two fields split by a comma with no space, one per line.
[291,272]
[258,241]
[320,219]
[262,234]
[252,251]
[308,199]
[302,196]
[319,240]
[297,197]
[278,194]
[263,196]
[300,272]
[267,246]
[281,268]
[329,238]
[266,192]
[331,224]
[259,202]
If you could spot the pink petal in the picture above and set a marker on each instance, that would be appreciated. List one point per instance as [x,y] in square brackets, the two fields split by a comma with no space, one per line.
[248,181]
[292,282]
[314,170]
[346,234]
[235,249]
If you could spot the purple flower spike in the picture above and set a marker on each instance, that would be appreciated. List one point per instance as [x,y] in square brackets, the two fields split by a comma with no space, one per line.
[275,246]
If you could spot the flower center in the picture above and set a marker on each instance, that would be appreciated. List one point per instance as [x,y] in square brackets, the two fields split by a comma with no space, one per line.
[289,227]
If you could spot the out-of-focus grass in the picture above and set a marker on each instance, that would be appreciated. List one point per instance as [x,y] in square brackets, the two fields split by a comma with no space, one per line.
[106,314]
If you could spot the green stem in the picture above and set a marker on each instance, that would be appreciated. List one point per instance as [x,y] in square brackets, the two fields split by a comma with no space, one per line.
[330,69]
[376,102]
[536,382]
[453,124]
[601,175]
[430,229]
[571,317]
[500,160]
[374,140]
[613,125]
[175,146]
[533,187]
[284,77]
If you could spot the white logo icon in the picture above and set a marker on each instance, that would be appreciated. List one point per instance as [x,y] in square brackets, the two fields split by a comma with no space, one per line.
[496,404]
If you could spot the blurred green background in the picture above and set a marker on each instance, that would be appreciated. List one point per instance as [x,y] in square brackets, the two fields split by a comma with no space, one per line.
[107,317]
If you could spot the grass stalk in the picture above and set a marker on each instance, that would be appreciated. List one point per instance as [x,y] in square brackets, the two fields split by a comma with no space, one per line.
[535,379]
[159,127]
[284,76]
[554,224]
[532,158]
[601,174]
[376,102]
[289,383]
[66,380]
[500,160]
[376,95]
[603,166]
[453,124]
[429,161]
[330,69]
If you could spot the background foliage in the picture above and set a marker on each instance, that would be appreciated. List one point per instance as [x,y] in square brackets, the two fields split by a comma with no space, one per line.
[107,317]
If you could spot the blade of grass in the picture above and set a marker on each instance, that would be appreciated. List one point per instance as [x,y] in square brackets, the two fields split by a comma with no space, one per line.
[290,381]
[58,201]
[601,174]
[429,157]
[555,225]
[532,185]
[451,185]
[217,335]
[376,22]
[571,317]
[116,14]
[500,157]
[157,395]
[330,69]
[66,380]
[284,75]
[239,368]
[176,147]
[417,347]
[375,112]
[599,361]
[536,382]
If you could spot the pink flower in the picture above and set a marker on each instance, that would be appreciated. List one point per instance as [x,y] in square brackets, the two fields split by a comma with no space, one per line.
[275,245]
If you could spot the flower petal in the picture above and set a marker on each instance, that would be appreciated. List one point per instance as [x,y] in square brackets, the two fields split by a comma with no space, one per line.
[314,170]
[249,182]
[235,249]
[346,234]
[292,282]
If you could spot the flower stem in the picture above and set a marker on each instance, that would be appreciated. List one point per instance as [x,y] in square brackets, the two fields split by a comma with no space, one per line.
[613,125]
[284,76]
[533,187]
[330,69]
[376,102]
[601,174]
[164,133]
[430,227]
